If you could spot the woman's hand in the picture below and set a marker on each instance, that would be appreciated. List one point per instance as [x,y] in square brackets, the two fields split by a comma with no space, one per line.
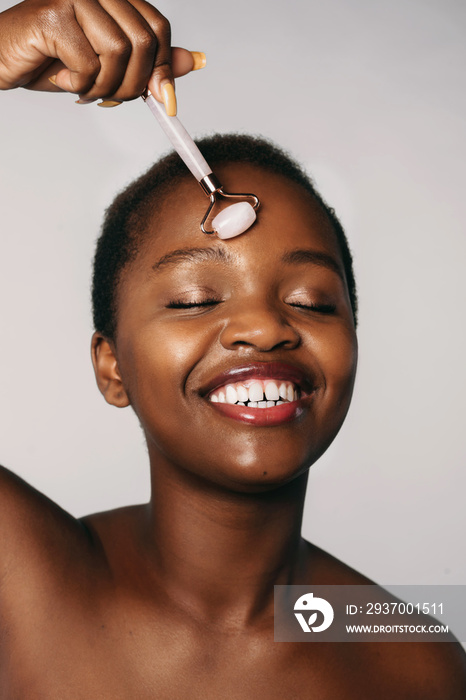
[111,49]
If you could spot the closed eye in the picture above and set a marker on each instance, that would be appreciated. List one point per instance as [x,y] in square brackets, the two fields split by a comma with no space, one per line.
[178,304]
[319,308]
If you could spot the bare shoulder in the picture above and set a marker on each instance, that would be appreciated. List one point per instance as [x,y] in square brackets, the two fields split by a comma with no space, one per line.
[41,544]
[21,502]
[402,670]
[446,664]
[35,533]
[432,671]
[322,568]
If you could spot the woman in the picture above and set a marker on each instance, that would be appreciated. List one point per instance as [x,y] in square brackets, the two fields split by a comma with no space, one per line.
[175,598]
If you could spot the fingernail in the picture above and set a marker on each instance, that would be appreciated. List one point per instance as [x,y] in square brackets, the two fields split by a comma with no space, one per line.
[169,99]
[53,79]
[199,59]
[83,101]
[109,103]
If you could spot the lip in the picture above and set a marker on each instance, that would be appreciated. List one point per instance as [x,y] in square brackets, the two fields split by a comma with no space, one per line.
[262,417]
[261,370]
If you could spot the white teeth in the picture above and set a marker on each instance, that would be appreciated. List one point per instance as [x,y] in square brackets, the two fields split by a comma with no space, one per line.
[259,394]
[271,391]
[242,393]
[231,394]
[255,392]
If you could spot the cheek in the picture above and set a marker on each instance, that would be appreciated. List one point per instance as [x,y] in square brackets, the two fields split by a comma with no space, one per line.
[338,357]
[154,367]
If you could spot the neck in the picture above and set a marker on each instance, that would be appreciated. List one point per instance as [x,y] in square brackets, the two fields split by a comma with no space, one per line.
[220,550]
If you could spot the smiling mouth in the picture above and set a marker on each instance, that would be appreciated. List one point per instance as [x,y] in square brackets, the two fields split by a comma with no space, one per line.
[263,394]
[257,393]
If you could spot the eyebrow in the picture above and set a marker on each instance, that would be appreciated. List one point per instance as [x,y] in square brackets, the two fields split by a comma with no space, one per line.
[192,254]
[215,254]
[315,257]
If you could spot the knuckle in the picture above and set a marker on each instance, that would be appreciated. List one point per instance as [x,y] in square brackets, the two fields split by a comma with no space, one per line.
[164,28]
[121,47]
[147,41]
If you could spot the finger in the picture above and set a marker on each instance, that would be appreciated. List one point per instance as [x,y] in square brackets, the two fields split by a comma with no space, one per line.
[127,49]
[162,70]
[143,46]
[52,36]
[70,45]
[110,43]
[184,61]
[42,82]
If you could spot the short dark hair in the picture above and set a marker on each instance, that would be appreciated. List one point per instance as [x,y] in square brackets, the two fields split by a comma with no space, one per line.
[127,217]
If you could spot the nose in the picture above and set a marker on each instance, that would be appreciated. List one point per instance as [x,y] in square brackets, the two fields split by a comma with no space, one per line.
[259,326]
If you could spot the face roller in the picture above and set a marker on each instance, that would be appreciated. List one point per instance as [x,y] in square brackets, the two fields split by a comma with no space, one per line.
[232,220]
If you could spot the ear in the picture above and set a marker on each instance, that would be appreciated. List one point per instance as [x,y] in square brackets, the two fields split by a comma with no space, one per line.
[107,373]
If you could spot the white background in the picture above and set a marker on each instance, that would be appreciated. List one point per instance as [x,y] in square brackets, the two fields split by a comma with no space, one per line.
[370,96]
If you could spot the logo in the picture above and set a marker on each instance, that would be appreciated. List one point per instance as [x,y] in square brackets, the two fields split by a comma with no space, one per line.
[308,603]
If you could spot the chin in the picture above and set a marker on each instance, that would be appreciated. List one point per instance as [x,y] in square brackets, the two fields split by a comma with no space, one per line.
[257,473]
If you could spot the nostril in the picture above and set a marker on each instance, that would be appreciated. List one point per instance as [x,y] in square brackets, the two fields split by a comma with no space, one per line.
[264,334]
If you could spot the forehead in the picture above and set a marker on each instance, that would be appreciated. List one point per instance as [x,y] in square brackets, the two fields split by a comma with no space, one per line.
[289,218]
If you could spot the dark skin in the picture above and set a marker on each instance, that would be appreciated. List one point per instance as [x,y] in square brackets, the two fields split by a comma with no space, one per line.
[174,598]
[109,49]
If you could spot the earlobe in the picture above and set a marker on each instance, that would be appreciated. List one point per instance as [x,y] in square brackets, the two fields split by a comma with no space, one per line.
[107,373]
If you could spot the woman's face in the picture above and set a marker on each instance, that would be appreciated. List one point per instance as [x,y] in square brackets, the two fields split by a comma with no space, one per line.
[267,311]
